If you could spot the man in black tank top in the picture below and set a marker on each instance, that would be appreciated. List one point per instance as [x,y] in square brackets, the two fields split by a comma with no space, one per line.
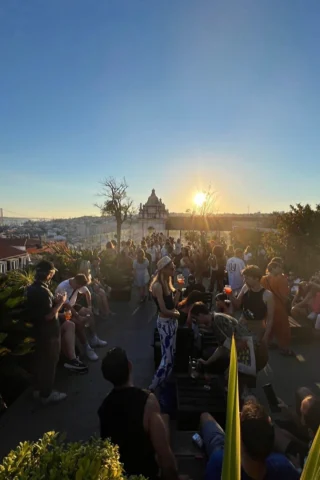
[257,304]
[131,418]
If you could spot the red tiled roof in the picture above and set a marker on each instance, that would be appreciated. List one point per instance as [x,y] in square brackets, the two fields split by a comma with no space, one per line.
[13,242]
[6,251]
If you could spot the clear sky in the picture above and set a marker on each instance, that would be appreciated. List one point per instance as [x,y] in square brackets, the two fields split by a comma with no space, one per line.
[172,94]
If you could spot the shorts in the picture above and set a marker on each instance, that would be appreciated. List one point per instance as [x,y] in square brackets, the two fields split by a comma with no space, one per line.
[213,437]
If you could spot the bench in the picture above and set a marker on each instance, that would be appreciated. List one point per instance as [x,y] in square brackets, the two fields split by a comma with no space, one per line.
[193,399]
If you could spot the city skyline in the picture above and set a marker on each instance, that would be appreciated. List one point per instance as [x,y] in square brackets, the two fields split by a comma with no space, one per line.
[174,96]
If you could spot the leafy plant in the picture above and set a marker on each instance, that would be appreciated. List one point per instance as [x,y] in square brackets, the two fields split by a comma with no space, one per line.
[297,239]
[52,459]
[231,469]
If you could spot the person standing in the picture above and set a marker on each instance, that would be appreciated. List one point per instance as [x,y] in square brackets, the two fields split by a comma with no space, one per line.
[43,309]
[141,273]
[166,299]
[235,266]
[277,283]
[257,304]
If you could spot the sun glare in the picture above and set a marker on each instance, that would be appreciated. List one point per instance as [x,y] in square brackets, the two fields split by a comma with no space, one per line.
[199,199]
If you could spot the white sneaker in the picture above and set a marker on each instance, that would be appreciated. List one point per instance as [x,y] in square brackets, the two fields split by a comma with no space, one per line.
[97,342]
[91,354]
[54,397]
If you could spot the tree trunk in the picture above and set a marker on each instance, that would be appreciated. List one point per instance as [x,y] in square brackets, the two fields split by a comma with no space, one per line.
[118,236]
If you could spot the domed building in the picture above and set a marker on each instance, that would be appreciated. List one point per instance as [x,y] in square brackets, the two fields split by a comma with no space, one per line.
[153,214]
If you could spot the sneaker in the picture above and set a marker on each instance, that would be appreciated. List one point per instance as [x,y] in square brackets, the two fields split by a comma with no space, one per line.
[75,365]
[97,342]
[91,354]
[54,397]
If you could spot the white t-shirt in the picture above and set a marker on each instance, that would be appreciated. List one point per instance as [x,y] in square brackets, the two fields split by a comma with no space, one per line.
[178,248]
[71,292]
[234,268]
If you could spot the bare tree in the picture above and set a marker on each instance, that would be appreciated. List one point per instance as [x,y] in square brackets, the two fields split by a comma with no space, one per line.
[116,203]
[208,206]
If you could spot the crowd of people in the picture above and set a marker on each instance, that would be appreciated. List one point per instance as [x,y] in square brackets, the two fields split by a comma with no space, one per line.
[252,303]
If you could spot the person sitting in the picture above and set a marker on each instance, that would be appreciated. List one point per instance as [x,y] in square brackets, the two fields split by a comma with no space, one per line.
[185,306]
[302,302]
[99,297]
[298,429]
[223,304]
[257,445]
[224,327]
[68,335]
[192,285]
[82,317]
[131,418]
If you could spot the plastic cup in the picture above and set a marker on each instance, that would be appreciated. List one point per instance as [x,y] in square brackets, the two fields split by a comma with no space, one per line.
[67,315]
[180,279]
[228,289]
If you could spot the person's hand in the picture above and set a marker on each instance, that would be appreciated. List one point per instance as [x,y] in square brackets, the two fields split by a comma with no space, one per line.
[282,405]
[201,361]
[61,298]
[176,313]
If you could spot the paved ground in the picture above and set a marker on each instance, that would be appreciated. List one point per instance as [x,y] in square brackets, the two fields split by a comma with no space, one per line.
[132,329]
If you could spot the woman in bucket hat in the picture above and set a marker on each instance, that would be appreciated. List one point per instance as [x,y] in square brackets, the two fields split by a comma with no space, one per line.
[166,299]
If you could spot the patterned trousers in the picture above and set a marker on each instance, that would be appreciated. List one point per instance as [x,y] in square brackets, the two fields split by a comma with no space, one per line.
[167,329]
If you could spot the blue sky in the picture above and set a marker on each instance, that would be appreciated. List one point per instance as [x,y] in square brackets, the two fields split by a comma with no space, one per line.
[172,94]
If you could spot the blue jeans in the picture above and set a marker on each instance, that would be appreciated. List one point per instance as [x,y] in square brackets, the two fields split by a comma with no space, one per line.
[213,436]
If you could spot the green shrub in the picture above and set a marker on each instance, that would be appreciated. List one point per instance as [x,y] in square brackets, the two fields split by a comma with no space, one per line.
[51,459]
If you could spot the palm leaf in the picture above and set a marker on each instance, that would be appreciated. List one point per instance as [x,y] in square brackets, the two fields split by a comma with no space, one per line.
[311,469]
[231,469]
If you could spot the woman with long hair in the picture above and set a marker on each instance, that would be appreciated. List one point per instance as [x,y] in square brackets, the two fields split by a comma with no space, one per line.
[277,283]
[141,273]
[166,299]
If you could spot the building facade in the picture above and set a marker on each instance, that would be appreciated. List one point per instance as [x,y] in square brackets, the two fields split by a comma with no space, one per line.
[152,215]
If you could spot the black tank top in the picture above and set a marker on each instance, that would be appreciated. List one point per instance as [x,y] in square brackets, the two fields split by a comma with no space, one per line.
[253,302]
[168,301]
[121,419]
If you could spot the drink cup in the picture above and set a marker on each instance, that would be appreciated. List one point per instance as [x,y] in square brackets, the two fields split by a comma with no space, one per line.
[180,279]
[228,289]
[67,315]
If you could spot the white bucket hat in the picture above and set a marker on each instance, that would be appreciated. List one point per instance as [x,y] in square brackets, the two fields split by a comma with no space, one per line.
[163,262]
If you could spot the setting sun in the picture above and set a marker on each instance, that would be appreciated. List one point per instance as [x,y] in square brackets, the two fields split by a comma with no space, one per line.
[199,199]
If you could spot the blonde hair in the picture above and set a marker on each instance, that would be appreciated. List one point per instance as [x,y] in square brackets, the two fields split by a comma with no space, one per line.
[166,283]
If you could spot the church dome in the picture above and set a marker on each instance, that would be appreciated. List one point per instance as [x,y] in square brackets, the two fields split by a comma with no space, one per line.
[153,199]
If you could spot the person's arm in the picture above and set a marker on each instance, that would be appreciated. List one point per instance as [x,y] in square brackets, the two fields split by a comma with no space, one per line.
[269,301]
[305,301]
[160,441]
[237,301]
[87,294]
[158,293]
[218,353]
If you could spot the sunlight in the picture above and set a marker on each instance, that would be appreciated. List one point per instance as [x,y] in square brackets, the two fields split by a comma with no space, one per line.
[199,199]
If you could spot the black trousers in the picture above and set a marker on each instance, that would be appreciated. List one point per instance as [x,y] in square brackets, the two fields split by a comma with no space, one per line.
[46,359]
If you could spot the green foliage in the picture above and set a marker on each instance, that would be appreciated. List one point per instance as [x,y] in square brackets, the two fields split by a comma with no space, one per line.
[245,237]
[231,469]
[51,459]
[297,240]
[192,236]
[311,469]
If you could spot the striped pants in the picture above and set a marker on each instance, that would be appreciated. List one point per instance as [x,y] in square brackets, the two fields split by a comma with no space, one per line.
[167,329]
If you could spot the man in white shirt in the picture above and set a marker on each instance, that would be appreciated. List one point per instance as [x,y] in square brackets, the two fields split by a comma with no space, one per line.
[235,266]
[82,317]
